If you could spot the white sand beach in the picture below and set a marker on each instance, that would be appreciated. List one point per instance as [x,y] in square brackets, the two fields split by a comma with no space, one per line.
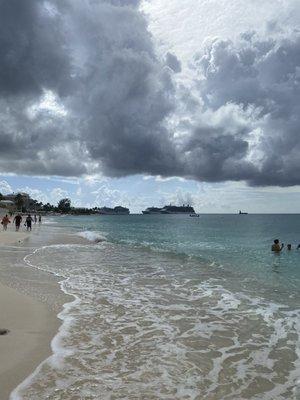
[31,323]
[31,326]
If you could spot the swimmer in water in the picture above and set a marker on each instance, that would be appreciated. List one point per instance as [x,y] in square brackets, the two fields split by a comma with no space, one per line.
[276,246]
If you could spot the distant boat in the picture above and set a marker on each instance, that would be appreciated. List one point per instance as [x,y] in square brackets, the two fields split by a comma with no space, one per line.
[170,210]
[195,215]
[242,213]
[114,211]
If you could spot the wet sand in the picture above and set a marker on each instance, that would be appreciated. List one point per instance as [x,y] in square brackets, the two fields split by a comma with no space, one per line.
[29,304]
[11,237]
[31,326]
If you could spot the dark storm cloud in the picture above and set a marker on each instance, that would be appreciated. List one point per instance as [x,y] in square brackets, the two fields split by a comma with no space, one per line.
[262,77]
[82,90]
[32,49]
[173,62]
[40,144]
[34,59]
[97,58]
[125,92]
[124,2]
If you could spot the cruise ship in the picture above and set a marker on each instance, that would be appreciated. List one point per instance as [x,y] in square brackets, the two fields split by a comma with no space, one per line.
[114,211]
[178,210]
[152,210]
[170,210]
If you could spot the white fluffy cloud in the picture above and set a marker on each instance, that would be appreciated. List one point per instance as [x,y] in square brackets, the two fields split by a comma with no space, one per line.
[35,194]
[5,187]
[57,194]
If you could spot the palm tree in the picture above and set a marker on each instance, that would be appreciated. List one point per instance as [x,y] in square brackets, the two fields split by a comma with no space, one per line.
[64,205]
[19,201]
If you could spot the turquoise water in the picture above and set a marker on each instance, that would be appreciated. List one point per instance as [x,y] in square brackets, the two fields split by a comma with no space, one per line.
[173,307]
[241,244]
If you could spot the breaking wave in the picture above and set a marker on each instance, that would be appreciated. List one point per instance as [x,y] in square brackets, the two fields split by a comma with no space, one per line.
[91,236]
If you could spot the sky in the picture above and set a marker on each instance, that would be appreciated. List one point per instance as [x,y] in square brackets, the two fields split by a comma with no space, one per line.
[146,103]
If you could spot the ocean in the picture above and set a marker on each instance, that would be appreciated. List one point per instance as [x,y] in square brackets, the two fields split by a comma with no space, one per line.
[172,307]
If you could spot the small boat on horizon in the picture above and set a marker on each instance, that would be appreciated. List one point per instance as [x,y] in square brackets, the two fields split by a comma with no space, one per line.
[242,213]
[195,215]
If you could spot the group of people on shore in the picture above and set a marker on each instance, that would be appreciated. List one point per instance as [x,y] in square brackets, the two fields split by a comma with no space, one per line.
[29,220]
[277,247]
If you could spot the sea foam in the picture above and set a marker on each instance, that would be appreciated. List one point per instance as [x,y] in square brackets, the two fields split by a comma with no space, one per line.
[145,325]
[92,236]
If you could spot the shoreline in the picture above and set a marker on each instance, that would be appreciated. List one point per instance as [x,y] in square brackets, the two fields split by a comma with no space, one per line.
[32,326]
[30,301]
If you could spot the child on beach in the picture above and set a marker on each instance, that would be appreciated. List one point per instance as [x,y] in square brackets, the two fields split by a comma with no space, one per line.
[5,221]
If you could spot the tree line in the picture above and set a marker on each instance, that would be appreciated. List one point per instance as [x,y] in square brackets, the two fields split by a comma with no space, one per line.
[64,206]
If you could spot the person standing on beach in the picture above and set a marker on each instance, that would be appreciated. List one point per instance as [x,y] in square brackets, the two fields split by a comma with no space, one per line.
[276,246]
[28,222]
[17,220]
[40,219]
[35,218]
[5,221]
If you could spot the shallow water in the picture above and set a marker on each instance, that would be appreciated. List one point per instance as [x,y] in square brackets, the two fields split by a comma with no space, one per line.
[172,307]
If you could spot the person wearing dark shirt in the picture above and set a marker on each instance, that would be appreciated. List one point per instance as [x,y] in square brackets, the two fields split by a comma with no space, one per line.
[28,222]
[17,221]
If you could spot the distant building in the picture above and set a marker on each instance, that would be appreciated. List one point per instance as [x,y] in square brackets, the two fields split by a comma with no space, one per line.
[27,201]
[7,205]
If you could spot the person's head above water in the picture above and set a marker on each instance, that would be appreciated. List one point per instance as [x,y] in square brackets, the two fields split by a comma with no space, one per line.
[289,247]
[276,241]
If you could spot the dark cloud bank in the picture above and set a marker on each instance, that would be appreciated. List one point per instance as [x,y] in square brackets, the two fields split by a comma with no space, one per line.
[115,107]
